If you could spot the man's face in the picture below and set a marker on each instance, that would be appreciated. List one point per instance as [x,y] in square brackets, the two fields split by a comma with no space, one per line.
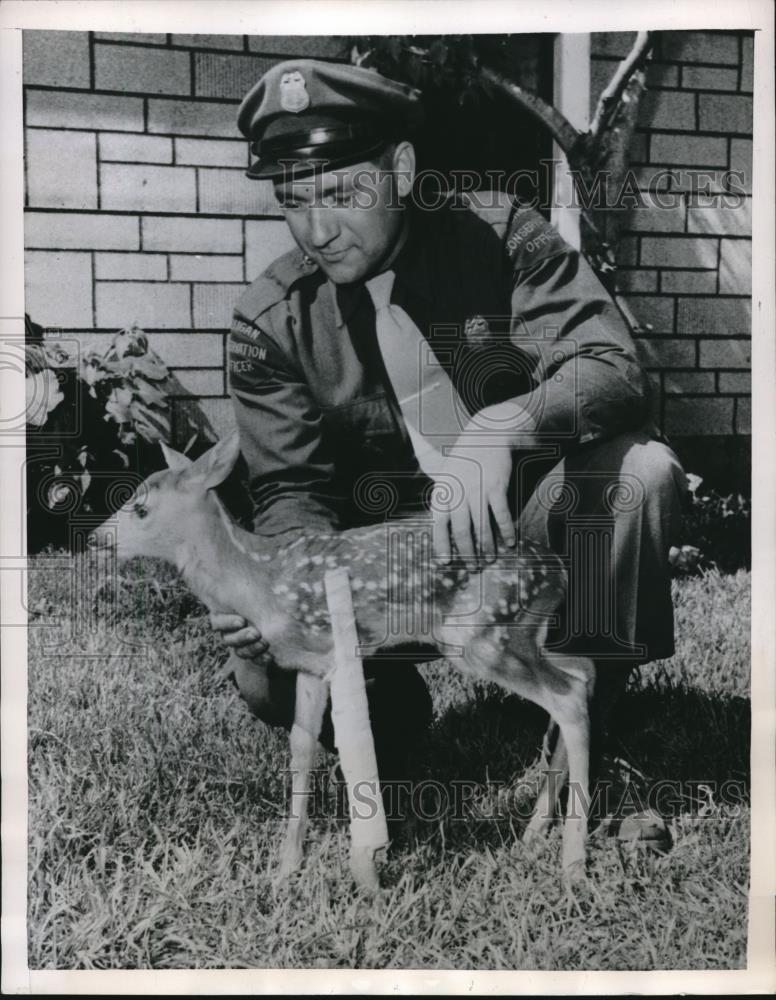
[347,220]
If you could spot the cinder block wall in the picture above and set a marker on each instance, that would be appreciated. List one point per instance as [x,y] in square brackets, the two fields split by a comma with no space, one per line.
[138,208]
[686,267]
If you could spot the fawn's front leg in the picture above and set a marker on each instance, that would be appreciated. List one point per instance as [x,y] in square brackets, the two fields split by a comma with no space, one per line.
[311,697]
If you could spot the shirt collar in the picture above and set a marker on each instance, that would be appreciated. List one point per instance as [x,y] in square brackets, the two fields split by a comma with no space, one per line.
[411,267]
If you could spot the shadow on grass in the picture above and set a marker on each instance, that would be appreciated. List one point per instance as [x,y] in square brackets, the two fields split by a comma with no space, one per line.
[671,748]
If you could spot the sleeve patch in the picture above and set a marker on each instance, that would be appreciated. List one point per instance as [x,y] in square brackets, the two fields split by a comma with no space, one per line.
[532,239]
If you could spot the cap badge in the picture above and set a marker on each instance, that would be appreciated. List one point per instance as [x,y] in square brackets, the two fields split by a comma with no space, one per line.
[293,92]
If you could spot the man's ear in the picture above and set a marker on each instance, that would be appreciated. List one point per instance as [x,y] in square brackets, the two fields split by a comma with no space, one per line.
[214,466]
[404,168]
[176,461]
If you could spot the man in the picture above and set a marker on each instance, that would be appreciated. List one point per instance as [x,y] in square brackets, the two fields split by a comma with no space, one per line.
[529,402]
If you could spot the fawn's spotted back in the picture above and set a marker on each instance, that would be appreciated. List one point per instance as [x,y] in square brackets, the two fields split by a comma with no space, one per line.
[397,585]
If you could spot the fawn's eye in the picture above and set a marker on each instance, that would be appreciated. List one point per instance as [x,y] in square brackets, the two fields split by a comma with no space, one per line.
[140,511]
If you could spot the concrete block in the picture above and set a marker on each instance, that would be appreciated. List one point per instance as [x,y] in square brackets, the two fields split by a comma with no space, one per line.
[680,383]
[58,288]
[627,250]
[130,266]
[668,109]
[205,350]
[662,75]
[193,118]
[668,217]
[714,316]
[688,150]
[725,354]
[226,75]
[214,305]
[735,267]
[230,192]
[699,416]
[144,188]
[709,78]
[234,42]
[666,352]
[747,64]
[743,418]
[61,169]
[735,382]
[212,152]
[721,219]
[741,161]
[307,46]
[192,235]
[264,242]
[205,267]
[199,382]
[636,281]
[700,46]
[725,113]
[76,231]
[141,69]
[653,310]
[48,108]
[134,148]
[688,282]
[679,251]
[612,43]
[153,306]
[55,58]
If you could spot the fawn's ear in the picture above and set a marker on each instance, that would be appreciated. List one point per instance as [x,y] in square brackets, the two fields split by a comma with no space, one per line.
[176,460]
[215,465]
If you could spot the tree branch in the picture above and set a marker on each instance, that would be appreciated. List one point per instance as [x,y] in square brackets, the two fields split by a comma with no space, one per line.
[562,131]
[613,91]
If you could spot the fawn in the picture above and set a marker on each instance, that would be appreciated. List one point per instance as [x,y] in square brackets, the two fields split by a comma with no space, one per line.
[490,620]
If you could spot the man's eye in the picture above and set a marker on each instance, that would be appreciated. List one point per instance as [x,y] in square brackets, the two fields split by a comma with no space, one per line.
[140,511]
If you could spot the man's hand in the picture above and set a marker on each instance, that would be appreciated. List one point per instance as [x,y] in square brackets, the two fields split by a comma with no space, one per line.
[473,483]
[243,638]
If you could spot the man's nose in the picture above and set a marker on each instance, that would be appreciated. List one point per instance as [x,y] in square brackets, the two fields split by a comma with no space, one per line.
[323,228]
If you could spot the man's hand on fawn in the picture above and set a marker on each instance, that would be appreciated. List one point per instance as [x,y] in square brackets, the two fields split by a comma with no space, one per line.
[244,638]
[473,483]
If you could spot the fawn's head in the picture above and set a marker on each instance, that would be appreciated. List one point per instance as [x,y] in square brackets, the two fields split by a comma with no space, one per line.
[170,507]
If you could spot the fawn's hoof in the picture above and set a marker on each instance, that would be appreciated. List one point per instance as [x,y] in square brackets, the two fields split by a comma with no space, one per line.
[364,868]
[291,858]
[574,872]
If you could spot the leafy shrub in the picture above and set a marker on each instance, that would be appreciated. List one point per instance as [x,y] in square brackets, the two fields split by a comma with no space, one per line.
[93,431]
[716,531]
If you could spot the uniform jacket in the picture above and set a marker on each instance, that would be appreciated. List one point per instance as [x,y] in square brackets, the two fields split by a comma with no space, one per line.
[509,309]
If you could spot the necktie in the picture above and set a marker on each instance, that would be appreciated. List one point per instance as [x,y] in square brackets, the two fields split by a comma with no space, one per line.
[429,403]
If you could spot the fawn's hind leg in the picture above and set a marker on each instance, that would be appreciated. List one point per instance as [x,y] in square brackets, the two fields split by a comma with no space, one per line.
[555,776]
[311,697]
[571,710]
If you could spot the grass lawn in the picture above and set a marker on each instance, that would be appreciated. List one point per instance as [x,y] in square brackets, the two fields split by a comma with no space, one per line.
[156,808]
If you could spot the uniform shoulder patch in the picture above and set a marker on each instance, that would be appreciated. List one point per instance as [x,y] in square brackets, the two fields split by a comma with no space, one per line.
[274,284]
[531,239]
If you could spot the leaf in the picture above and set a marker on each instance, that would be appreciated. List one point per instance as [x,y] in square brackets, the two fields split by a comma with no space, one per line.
[123,456]
[118,405]
[149,366]
[85,480]
[150,394]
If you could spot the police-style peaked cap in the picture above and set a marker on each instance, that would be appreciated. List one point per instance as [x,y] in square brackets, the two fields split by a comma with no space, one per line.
[305,116]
